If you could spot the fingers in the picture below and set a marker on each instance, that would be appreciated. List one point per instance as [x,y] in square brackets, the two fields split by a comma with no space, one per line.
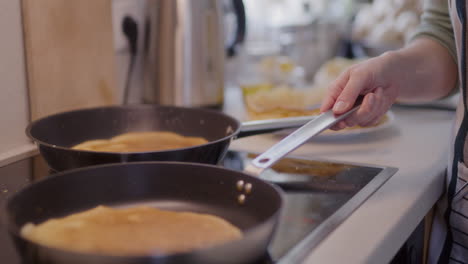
[384,103]
[362,79]
[338,126]
[373,122]
[346,99]
[366,110]
[334,91]
[374,105]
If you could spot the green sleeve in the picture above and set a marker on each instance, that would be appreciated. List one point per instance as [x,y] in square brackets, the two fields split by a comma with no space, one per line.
[436,24]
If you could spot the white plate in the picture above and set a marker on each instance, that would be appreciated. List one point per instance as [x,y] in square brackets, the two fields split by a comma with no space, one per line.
[350,132]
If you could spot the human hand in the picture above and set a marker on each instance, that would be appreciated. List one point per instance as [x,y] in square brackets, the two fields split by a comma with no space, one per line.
[377,80]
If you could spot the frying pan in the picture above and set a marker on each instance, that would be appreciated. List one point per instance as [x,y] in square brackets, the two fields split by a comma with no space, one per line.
[170,185]
[191,187]
[56,134]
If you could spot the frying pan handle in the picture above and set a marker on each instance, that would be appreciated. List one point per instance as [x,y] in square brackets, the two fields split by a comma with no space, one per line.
[296,139]
[257,127]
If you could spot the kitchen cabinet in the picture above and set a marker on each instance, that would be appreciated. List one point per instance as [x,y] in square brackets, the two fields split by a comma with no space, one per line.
[69,54]
[55,55]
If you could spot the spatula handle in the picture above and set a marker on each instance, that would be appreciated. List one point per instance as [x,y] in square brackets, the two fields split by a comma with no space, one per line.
[295,139]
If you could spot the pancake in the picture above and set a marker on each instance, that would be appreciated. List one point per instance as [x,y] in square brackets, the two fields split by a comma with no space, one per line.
[141,142]
[132,231]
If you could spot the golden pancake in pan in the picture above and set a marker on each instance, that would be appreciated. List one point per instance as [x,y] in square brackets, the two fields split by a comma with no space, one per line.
[141,142]
[132,231]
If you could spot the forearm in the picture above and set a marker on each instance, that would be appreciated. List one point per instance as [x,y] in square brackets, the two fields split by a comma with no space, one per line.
[427,71]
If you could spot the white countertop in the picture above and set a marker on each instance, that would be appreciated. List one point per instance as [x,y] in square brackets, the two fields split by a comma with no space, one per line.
[417,143]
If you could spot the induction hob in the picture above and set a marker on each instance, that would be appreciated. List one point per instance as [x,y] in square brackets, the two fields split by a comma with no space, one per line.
[319,195]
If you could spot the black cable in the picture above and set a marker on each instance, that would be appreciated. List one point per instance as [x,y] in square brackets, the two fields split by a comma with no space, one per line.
[239,10]
[130,30]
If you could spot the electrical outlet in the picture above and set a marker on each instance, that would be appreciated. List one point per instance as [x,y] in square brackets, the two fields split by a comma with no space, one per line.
[120,9]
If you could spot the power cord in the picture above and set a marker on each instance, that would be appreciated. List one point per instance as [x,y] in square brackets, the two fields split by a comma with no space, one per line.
[130,30]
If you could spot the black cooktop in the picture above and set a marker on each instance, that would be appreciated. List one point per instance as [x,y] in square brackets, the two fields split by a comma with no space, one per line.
[319,195]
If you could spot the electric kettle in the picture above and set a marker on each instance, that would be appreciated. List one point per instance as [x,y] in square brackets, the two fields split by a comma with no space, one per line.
[184,51]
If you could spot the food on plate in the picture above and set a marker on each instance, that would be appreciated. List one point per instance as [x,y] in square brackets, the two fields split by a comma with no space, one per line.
[282,102]
[141,141]
[255,88]
[331,69]
[132,231]
[287,101]
[269,72]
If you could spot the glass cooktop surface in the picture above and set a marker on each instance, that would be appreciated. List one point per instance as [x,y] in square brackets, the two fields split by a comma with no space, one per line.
[319,195]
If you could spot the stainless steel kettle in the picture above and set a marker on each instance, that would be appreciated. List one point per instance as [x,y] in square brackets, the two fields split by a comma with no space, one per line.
[184,51]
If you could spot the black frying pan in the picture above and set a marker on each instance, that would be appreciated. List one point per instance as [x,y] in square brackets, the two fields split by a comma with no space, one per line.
[168,185]
[171,185]
[56,134]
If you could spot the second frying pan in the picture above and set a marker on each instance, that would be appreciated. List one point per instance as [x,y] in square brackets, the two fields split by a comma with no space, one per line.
[56,134]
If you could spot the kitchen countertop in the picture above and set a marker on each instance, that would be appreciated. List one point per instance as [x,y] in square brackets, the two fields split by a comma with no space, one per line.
[417,143]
